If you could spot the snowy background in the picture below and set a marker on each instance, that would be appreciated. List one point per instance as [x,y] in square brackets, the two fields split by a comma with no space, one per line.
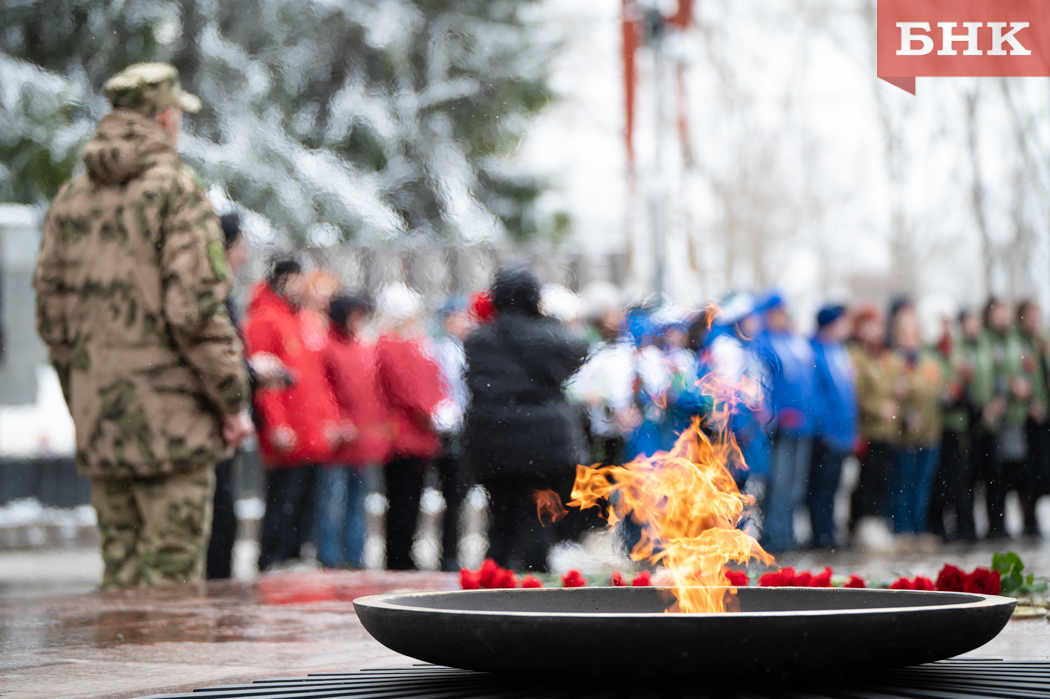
[501,124]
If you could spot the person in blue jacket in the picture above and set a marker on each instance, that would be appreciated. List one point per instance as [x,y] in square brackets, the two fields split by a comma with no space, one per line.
[835,417]
[728,352]
[666,391]
[666,396]
[789,359]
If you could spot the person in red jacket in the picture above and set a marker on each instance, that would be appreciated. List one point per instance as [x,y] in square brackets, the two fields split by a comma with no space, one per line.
[411,383]
[350,367]
[297,422]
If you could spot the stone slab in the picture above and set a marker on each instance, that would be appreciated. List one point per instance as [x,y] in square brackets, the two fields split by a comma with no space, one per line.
[137,643]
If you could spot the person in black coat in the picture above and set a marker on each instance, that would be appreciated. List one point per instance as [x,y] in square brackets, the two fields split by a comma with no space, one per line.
[521,435]
[219,561]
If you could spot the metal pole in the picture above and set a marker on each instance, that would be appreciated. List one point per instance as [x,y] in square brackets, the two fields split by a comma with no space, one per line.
[658,190]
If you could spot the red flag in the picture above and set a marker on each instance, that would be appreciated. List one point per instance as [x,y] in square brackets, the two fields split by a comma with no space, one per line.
[629,22]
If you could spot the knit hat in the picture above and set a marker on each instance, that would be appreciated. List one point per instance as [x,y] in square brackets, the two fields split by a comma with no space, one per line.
[734,308]
[769,300]
[829,314]
[398,303]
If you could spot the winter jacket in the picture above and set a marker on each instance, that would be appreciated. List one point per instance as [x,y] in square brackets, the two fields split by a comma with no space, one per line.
[876,375]
[999,359]
[131,282]
[733,361]
[519,421]
[604,385]
[790,361]
[452,360]
[958,409]
[922,421]
[1033,365]
[411,382]
[352,371]
[307,406]
[668,398]
[835,396]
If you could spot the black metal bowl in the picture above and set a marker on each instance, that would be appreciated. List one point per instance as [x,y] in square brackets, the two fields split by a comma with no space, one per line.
[623,632]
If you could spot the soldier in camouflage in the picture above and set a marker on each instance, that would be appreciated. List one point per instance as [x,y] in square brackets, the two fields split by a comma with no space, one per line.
[131,283]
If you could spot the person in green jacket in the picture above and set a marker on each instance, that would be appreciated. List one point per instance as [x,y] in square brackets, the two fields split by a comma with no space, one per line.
[953,487]
[1003,393]
[1036,477]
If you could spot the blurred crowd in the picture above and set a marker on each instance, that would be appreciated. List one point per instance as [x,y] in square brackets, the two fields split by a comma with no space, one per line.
[515,385]
[509,389]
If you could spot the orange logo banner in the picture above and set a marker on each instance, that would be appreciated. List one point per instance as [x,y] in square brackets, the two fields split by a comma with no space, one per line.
[962,38]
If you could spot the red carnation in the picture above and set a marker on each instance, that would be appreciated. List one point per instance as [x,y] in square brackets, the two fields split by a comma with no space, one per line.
[803,579]
[773,578]
[573,579]
[855,582]
[504,580]
[531,581]
[469,579]
[643,579]
[983,582]
[902,584]
[487,572]
[921,582]
[617,579]
[950,579]
[822,579]
[737,578]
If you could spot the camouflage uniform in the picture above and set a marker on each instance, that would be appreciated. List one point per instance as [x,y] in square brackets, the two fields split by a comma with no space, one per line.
[131,282]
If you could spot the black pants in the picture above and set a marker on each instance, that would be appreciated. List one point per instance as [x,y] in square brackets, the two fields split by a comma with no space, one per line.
[1024,476]
[288,521]
[1007,476]
[454,487]
[223,525]
[998,477]
[953,489]
[1036,473]
[517,538]
[876,469]
[825,470]
[404,487]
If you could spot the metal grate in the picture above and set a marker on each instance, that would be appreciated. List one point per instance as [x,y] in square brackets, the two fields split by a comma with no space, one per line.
[949,679]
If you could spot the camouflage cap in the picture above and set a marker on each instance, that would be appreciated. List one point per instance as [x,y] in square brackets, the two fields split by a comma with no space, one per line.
[149,88]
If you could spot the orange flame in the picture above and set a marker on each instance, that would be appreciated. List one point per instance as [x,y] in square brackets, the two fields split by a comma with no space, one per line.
[689,501]
[548,506]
